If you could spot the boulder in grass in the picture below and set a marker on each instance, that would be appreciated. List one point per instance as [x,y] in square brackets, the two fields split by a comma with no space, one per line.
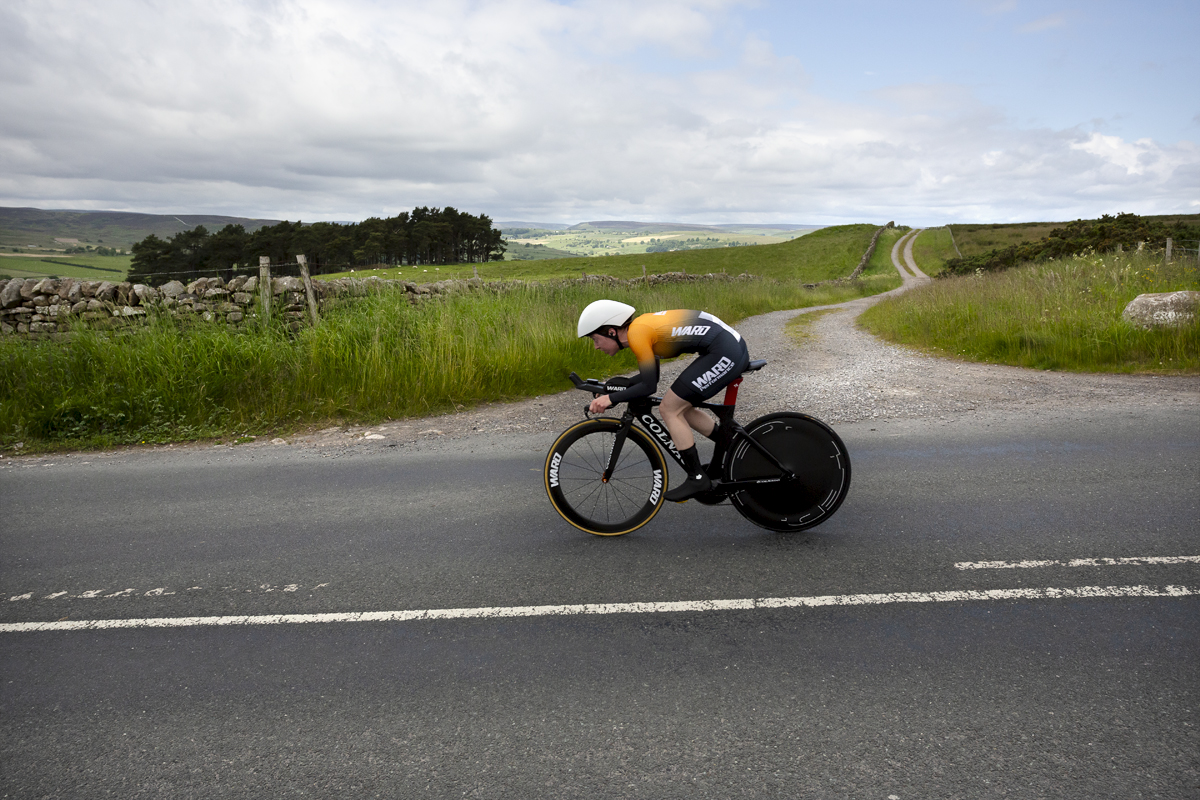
[1162,309]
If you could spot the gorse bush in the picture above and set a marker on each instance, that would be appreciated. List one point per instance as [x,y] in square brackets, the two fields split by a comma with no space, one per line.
[1053,315]
[376,358]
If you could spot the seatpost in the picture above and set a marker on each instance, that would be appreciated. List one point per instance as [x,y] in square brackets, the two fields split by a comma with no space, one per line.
[731,392]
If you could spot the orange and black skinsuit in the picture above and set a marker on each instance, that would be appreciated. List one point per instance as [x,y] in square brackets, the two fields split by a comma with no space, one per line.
[665,334]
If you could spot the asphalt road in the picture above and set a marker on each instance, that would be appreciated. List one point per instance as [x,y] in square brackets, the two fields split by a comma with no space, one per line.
[1057,697]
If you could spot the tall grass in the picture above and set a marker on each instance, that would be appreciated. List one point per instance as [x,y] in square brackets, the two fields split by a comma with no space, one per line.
[376,358]
[1063,315]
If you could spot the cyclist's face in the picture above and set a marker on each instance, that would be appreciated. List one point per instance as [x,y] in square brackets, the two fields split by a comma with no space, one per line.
[605,344]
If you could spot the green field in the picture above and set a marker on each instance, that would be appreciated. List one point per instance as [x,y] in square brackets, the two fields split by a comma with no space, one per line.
[526,251]
[973,240]
[932,248]
[86,267]
[822,255]
[607,239]
[976,239]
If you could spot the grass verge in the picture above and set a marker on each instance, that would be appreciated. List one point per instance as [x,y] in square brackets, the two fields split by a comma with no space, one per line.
[1062,315]
[378,358]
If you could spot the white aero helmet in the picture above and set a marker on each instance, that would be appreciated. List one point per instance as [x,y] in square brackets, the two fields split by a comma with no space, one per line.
[603,314]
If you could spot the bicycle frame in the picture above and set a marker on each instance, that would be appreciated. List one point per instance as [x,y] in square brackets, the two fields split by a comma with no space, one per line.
[641,411]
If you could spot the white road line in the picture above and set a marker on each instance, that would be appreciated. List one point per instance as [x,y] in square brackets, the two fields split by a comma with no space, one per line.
[1079,562]
[953,596]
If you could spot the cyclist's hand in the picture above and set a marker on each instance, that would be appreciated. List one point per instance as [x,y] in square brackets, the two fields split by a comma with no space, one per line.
[599,405]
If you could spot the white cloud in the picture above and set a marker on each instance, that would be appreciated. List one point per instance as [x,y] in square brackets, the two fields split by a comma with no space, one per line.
[517,108]
[1134,157]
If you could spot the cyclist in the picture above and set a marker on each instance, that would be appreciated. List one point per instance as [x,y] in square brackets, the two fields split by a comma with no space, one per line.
[723,356]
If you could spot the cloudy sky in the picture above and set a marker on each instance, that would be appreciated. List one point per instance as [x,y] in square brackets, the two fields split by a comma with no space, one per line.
[681,110]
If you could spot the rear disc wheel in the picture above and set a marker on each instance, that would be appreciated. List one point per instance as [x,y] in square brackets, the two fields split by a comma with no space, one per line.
[807,447]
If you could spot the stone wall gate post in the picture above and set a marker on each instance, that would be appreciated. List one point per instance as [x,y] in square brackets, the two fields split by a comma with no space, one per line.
[308,289]
[264,288]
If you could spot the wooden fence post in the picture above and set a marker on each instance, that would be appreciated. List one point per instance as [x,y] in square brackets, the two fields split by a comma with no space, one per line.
[308,290]
[264,288]
[1167,257]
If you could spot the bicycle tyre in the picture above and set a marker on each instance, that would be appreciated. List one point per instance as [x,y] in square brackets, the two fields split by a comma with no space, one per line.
[811,450]
[576,463]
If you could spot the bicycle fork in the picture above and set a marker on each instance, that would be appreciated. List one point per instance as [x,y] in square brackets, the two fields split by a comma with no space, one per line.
[618,442]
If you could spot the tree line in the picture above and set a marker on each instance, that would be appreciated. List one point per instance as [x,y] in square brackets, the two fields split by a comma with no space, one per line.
[423,236]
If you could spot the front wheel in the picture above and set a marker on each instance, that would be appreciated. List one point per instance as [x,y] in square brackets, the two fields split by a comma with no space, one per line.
[807,447]
[574,478]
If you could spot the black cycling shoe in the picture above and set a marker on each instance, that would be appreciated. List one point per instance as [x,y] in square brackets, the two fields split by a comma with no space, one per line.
[694,485]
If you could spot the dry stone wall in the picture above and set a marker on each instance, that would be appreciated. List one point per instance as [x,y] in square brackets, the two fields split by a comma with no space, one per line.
[45,307]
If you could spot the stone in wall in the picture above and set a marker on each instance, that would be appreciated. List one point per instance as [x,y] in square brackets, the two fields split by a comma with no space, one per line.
[286,284]
[145,294]
[10,295]
[172,289]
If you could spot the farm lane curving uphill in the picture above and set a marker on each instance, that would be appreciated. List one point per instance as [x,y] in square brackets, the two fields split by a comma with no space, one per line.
[909,262]
[1000,607]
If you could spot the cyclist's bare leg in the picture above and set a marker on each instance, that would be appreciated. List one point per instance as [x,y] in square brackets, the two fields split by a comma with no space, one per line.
[680,417]
[700,421]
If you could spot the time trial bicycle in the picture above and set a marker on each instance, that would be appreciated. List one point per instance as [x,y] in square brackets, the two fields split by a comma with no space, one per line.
[784,471]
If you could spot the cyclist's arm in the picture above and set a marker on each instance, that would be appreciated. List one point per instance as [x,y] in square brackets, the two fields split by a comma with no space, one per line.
[644,386]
